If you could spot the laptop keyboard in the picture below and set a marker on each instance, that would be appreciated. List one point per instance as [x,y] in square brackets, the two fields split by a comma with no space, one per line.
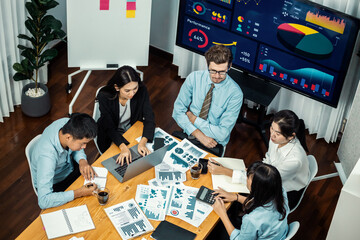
[122,169]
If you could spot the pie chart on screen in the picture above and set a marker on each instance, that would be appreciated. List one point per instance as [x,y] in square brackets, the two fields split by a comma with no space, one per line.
[304,40]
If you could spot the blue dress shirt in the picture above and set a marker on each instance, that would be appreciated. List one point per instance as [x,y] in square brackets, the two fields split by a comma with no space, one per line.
[50,164]
[224,110]
[263,223]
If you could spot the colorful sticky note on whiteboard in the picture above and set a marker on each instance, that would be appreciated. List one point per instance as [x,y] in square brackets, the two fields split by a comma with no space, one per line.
[131,6]
[130,14]
[104,4]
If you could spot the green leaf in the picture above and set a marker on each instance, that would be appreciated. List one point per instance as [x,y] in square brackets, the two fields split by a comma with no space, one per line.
[20,77]
[31,39]
[60,34]
[22,47]
[48,4]
[30,54]
[28,68]
[51,22]
[30,25]
[32,9]
[18,67]
[47,55]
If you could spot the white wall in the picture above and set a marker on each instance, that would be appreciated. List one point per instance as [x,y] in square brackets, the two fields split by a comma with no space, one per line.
[349,149]
[345,222]
[163,24]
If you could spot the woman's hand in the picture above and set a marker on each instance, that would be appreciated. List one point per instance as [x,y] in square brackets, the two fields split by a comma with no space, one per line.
[125,155]
[219,207]
[225,196]
[142,149]
[216,168]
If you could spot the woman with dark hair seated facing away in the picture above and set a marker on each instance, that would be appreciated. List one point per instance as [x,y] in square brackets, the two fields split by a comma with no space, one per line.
[286,152]
[264,211]
[122,102]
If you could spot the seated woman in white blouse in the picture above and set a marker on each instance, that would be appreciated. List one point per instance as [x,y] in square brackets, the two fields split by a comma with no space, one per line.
[286,152]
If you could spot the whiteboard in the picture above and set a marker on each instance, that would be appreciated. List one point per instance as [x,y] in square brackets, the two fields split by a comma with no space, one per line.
[100,37]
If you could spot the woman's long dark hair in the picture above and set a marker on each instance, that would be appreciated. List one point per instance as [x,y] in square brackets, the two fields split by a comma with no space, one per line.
[122,76]
[290,123]
[266,187]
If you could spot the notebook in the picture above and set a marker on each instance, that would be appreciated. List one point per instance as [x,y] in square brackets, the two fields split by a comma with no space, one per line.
[100,180]
[138,165]
[166,230]
[225,182]
[67,221]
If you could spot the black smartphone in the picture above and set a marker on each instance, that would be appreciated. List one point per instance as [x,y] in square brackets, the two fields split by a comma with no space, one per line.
[204,163]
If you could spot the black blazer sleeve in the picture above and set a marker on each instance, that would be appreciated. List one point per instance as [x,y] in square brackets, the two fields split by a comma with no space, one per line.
[109,119]
[141,110]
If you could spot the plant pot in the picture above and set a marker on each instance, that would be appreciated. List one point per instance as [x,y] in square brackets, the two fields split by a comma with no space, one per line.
[35,106]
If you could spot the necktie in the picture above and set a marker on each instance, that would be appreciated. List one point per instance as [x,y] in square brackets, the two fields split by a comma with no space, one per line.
[206,104]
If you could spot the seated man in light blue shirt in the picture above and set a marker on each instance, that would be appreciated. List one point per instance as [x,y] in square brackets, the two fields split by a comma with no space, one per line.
[57,158]
[212,132]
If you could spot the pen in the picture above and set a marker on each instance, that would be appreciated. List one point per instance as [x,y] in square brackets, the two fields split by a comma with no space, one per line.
[215,163]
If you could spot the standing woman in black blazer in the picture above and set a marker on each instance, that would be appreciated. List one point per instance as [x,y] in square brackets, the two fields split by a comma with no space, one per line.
[123,101]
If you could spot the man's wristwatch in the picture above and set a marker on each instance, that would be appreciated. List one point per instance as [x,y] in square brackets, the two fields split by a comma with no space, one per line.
[191,137]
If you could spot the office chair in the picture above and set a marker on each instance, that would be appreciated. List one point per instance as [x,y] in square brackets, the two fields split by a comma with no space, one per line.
[293,228]
[313,171]
[223,153]
[96,115]
[28,150]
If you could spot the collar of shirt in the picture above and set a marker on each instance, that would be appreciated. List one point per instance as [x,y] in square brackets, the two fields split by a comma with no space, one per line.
[57,144]
[287,148]
[217,85]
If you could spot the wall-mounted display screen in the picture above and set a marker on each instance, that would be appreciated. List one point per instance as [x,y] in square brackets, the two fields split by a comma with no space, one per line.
[297,44]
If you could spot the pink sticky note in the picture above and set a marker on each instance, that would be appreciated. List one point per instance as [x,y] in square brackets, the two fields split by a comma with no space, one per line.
[104,4]
[131,6]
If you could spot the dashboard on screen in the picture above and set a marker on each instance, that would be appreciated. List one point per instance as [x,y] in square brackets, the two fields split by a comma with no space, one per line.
[296,44]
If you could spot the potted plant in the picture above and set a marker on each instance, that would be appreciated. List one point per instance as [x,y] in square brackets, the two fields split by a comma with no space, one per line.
[43,28]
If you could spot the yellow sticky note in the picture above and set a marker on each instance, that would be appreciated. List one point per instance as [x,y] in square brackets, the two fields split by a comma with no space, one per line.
[130,14]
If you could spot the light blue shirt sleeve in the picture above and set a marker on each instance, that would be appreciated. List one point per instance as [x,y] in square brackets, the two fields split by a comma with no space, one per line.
[45,175]
[182,104]
[77,155]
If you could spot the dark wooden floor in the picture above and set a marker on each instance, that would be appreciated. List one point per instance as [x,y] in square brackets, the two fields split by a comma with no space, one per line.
[19,204]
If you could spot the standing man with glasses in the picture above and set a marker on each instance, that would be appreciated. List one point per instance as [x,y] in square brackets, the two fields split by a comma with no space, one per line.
[209,103]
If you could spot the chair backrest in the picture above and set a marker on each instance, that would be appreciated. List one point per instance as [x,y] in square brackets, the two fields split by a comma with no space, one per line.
[293,228]
[96,115]
[313,168]
[28,150]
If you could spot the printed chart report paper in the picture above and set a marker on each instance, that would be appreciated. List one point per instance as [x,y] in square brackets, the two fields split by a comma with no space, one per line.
[128,219]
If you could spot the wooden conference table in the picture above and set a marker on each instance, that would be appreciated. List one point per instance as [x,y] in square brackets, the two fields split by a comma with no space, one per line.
[120,192]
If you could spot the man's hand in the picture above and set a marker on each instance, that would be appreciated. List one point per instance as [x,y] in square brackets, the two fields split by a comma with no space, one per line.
[85,190]
[86,170]
[205,140]
[191,116]
[125,155]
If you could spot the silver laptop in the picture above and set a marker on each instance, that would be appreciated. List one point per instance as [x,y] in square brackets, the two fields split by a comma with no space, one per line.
[138,165]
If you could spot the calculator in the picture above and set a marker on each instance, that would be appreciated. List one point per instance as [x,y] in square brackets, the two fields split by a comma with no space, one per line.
[205,195]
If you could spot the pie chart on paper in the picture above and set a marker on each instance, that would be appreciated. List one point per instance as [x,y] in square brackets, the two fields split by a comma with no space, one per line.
[304,41]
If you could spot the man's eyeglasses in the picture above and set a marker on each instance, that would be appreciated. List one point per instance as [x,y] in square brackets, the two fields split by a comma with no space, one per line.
[221,73]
